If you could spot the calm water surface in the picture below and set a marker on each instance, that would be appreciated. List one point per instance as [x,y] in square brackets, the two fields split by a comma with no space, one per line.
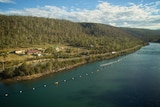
[131,81]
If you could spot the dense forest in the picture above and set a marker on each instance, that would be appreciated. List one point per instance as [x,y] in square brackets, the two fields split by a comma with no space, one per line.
[25,31]
[144,34]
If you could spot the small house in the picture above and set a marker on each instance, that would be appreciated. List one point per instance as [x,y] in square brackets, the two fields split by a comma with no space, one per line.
[33,52]
[113,52]
[20,52]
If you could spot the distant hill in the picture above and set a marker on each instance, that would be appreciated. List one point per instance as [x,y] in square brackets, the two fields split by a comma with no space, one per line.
[95,29]
[25,31]
[144,34]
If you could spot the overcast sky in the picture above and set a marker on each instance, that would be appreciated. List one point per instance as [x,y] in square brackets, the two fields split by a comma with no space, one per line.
[120,13]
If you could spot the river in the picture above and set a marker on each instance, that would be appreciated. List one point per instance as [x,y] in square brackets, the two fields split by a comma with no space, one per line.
[127,81]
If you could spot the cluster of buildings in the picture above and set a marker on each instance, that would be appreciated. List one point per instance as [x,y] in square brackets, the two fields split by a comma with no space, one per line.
[36,52]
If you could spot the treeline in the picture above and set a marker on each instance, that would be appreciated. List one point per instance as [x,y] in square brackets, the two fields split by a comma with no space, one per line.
[30,69]
[51,66]
[25,31]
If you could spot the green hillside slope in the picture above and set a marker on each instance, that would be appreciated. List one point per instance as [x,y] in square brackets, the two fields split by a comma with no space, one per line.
[25,31]
[144,34]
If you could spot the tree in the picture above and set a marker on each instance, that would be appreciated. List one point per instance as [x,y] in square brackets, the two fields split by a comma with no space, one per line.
[4,54]
[8,73]
[24,69]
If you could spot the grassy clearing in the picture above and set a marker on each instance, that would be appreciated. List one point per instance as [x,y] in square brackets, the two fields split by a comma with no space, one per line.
[14,57]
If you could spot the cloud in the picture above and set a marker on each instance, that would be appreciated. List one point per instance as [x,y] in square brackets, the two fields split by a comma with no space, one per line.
[6,1]
[131,15]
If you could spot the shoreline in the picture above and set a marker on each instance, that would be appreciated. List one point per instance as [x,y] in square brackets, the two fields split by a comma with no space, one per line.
[38,75]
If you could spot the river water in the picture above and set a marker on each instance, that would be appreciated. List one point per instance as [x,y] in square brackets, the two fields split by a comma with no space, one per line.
[127,81]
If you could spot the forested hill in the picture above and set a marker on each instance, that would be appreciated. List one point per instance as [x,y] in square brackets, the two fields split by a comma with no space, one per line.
[25,31]
[144,34]
[103,30]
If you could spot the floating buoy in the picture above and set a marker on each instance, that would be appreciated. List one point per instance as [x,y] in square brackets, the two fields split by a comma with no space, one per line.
[33,88]
[56,82]
[86,74]
[20,91]
[65,80]
[6,95]
[97,70]
[80,76]
[73,78]
[92,72]
[45,85]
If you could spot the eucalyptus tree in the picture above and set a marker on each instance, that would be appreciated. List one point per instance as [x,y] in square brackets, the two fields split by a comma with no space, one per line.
[4,54]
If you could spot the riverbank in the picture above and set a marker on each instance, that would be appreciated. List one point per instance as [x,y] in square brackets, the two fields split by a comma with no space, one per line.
[38,75]
[87,59]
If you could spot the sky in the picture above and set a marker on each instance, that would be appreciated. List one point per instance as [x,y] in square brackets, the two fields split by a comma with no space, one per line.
[120,13]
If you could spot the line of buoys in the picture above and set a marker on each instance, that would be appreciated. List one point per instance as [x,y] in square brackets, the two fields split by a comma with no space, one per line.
[45,85]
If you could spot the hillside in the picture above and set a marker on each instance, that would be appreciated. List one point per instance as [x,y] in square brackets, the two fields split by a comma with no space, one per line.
[103,30]
[144,34]
[32,45]
[25,31]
